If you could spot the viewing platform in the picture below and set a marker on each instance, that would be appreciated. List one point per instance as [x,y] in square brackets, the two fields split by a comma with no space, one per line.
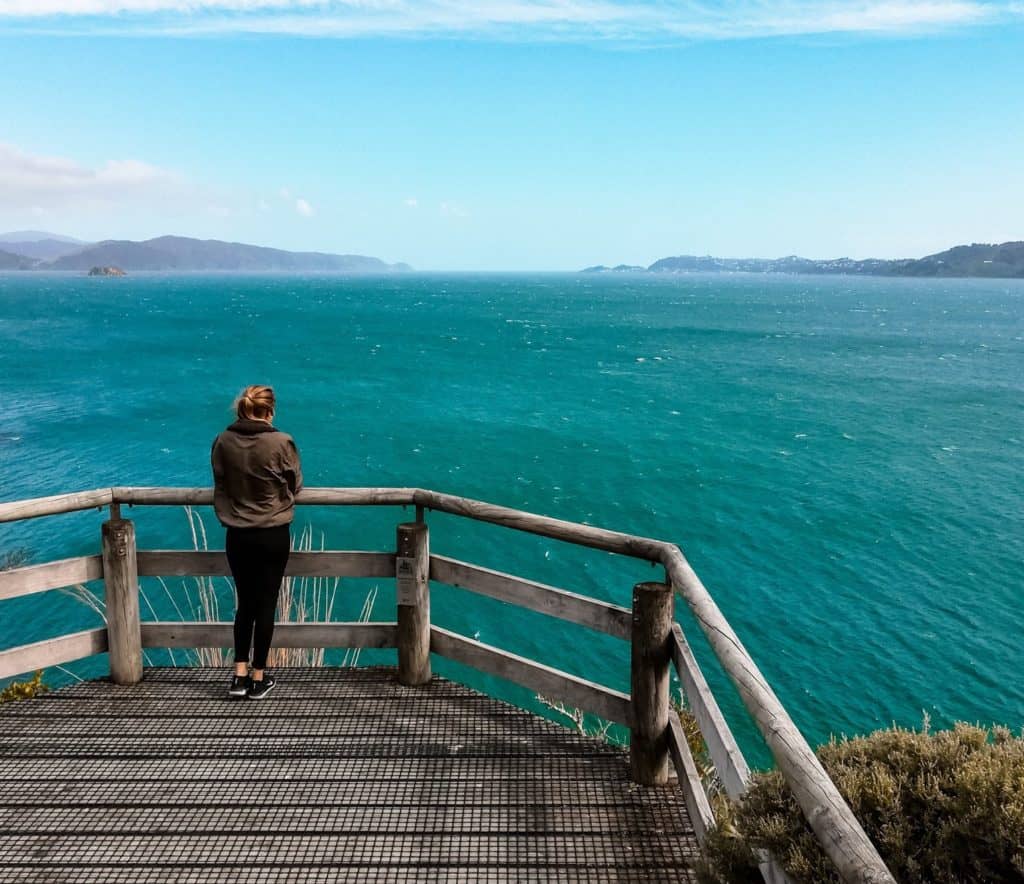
[381,774]
[342,775]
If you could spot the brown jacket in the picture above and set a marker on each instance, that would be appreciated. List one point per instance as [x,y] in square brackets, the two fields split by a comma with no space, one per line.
[256,475]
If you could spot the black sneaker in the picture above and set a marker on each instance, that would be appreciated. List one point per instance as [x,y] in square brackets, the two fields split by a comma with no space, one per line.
[259,689]
[239,686]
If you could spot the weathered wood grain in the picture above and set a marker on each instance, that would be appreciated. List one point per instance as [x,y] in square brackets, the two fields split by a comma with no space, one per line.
[121,584]
[689,779]
[650,658]
[412,579]
[16,510]
[52,651]
[725,753]
[213,563]
[286,635]
[557,529]
[554,683]
[52,575]
[307,496]
[602,616]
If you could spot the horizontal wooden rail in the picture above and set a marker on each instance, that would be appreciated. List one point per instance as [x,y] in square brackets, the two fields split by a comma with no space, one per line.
[52,575]
[531,523]
[286,635]
[602,616]
[52,652]
[586,695]
[16,510]
[697,803]
[306,497]
[214,563]
[722,747]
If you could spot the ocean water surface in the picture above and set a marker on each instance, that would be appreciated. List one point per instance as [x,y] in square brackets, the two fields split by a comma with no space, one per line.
[841,459]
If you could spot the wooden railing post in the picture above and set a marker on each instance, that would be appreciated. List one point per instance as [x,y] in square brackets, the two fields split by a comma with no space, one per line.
[649,676]
[121,579]
[412,580]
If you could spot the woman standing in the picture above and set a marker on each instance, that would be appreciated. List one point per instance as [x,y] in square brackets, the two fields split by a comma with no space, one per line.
[256,475]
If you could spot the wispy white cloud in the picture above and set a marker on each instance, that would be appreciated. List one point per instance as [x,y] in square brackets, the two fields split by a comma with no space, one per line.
[302,206]
[450,209]
[37,183]
[565,20]
[411,203]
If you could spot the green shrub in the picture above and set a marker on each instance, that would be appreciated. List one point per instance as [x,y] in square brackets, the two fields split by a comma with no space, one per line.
[23,690]
[942,808]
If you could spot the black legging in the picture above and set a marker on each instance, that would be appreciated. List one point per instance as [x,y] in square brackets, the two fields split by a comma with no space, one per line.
[257,557]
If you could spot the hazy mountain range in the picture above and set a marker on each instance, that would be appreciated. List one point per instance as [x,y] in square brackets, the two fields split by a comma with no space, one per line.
[37,250]
[980,259]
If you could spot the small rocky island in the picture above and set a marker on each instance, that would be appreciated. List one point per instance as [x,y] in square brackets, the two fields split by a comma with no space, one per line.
[107,271]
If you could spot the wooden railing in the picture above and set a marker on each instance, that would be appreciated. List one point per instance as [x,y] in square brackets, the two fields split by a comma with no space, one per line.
[657,643]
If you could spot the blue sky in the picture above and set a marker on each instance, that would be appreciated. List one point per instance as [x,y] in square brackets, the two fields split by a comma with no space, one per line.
[517,134]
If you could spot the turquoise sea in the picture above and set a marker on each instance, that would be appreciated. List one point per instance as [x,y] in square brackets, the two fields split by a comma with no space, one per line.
[841,459]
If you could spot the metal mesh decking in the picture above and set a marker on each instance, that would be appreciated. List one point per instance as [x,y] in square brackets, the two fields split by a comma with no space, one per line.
[340,775]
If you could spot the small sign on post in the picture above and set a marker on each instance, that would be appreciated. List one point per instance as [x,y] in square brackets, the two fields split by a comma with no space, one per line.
[409,584]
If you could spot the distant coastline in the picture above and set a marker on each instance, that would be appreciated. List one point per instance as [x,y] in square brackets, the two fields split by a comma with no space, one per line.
[35,250]
[1002,261]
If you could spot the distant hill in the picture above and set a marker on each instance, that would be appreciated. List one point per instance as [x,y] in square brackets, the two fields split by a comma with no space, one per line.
[980,259]
[10,261]
[37,236]
[186,254]
[1005,260]
[43,249]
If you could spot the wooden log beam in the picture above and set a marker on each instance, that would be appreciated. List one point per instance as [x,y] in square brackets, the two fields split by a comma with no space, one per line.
[214,563]
[412,585]
[586,695]
[306,497]
[602,616]
[121,582]
[52,575]
[286,635]
[52,652]
[837,828]
[557,529]
[16,510]
[650,658]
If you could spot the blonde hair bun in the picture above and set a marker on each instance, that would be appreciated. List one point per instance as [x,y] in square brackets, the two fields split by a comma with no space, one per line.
[255,402]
